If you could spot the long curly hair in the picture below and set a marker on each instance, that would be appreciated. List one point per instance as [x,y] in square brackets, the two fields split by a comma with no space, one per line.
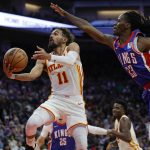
[138,21]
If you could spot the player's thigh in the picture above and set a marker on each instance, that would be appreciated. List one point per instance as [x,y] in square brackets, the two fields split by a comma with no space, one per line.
[52,106]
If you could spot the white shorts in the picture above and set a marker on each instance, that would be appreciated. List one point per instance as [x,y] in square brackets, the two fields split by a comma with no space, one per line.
[72,106]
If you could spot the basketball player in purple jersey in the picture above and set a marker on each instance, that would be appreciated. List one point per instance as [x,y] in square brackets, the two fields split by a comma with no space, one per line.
[131,44]
[58,135]
[58,139]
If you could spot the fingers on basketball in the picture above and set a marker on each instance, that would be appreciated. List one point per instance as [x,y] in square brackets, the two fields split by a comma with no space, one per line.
[16,59]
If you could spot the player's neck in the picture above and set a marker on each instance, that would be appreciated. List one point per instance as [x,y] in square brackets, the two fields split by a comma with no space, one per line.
[124,37]
[119,117]
[60,50]
[61,122]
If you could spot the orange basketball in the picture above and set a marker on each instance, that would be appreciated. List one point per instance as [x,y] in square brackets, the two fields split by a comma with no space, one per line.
[17,58]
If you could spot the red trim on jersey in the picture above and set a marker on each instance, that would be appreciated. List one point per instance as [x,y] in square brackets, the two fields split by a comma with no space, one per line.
[127,41]
[147,58]
[147,86]
[115,43]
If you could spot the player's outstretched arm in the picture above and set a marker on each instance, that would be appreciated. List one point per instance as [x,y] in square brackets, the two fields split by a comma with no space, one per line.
[69,59]
[85,26]
[32,75]
[97,130]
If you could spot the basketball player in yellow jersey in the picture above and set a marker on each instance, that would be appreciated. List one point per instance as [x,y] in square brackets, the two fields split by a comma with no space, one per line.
[124,131]
[66,75]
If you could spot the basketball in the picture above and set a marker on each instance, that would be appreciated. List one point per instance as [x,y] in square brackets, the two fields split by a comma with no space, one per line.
[17,58]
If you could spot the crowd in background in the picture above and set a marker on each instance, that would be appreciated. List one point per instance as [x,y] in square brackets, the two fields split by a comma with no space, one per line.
[19,99]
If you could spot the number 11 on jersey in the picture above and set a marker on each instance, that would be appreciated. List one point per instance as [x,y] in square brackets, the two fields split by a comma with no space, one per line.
[62,77]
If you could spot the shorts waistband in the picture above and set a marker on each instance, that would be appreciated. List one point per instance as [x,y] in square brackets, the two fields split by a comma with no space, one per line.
[68,96]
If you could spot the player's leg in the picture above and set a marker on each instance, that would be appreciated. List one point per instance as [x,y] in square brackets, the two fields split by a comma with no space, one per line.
[77,122]
[79,134]
[38,118]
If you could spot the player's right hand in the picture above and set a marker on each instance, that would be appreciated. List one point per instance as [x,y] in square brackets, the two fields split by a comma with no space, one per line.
[57,9]
[7,69]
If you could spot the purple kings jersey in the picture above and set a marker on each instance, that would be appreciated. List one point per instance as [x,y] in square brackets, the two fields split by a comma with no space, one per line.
[136,63]
[59,138]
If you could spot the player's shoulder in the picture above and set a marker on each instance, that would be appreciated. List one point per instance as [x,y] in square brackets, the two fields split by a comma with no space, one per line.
[124,119]
[73,43]
[73,46]
[143,43]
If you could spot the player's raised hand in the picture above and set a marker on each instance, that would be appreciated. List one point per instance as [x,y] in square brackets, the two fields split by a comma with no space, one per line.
[57,9]
[41,54]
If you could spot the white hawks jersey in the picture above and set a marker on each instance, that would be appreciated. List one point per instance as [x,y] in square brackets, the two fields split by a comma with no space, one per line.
[65,79]
[133,144]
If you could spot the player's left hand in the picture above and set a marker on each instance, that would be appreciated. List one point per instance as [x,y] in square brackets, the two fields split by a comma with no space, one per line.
[41,54]
[57,9]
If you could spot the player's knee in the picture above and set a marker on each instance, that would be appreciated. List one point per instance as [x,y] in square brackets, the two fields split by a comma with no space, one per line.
[32,124]
[81,143]
[38,118]
[80,137]
[32,121]
[81,146]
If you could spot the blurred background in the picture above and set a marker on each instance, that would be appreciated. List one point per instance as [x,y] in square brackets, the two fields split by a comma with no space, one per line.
[27,23]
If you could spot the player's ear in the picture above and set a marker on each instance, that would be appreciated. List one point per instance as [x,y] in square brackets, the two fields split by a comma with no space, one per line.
[65,39]
[128,25]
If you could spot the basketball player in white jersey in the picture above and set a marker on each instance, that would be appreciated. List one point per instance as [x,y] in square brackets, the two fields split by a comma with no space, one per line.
[66,75]
[124,131]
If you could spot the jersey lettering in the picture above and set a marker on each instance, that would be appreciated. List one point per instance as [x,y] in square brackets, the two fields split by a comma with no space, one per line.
[131,71]
[54,67]
[127,58]
[60,133]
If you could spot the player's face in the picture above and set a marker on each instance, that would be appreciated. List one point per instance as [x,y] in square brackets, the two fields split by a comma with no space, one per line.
[56,39]
[121,26]
[117,110]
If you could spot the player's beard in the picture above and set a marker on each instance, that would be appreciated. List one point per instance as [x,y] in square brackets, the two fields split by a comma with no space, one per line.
[51,46]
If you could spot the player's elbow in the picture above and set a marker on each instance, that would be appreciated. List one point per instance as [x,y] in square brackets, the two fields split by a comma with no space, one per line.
[33,77]
[72,62]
